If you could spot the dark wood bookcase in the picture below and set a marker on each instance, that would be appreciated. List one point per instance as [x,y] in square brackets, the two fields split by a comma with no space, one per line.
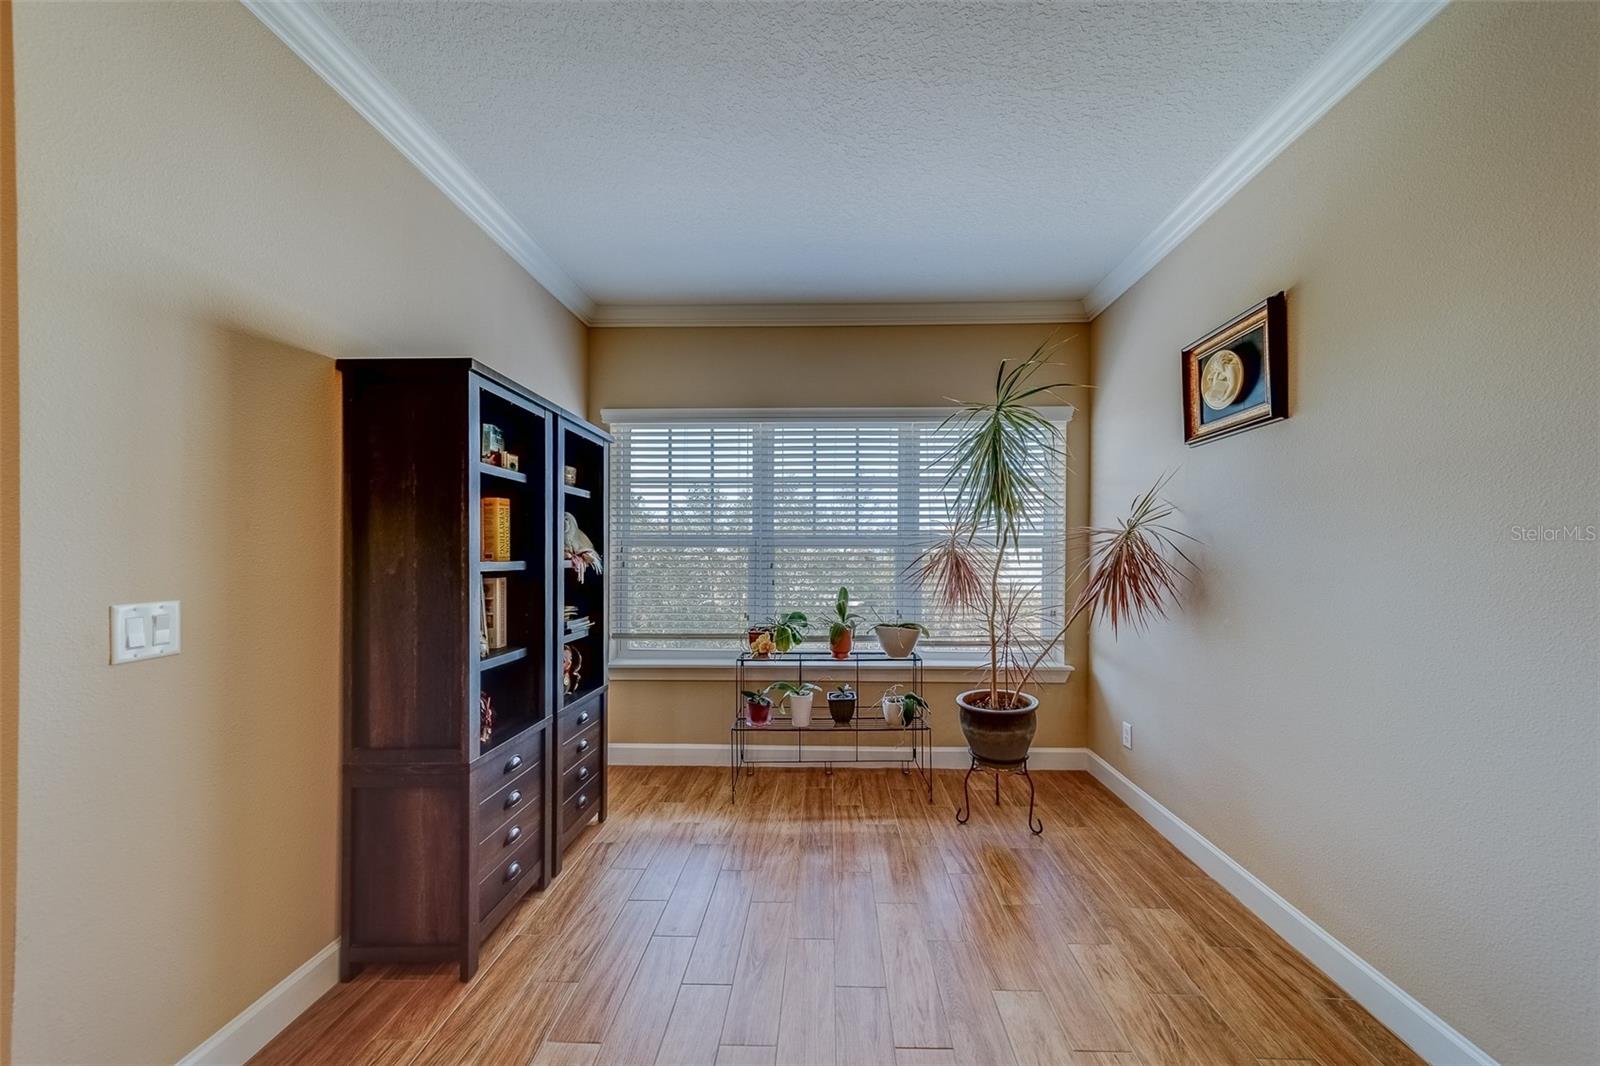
[449,818]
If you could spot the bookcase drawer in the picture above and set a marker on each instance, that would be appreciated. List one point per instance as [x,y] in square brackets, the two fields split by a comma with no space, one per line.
[493,771]
[584,775]
[579,808]
[574,749]
[517,795]
[525,824]
[522,867]
[580,716]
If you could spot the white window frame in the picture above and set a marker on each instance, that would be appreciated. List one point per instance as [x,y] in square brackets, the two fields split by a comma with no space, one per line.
[631,662]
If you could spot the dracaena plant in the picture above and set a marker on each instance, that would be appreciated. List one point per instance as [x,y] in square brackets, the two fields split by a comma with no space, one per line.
[998,461]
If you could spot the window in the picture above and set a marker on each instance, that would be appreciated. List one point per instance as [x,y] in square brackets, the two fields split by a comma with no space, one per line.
[720,516]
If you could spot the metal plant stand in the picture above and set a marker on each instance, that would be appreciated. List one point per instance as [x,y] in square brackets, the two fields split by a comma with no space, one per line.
[785,744]
[964,812]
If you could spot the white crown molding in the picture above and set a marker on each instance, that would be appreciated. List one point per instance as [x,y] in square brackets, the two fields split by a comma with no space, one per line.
[1428,1034]
[255,1026]
[1369,41]
[309,34]
[840,314]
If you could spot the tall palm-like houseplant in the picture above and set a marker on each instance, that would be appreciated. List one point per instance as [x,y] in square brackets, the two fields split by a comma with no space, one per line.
[1000,463]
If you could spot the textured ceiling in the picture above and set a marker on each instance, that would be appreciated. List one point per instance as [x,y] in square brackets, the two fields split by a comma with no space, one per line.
[724,152]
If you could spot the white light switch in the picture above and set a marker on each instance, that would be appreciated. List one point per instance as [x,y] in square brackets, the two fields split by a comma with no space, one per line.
[144,630]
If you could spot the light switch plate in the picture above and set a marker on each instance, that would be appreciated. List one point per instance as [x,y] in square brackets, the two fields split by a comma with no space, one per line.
[144,631]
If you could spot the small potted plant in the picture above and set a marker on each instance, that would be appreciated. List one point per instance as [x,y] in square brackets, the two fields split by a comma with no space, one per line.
[798,696]
[757,707]
[842,627]
[784,631]
[842,704]
[898,638]
[902,707]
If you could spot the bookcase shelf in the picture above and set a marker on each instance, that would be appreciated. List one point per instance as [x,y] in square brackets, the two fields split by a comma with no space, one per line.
[501,657]
[490,470]
[444,750]
[573,490]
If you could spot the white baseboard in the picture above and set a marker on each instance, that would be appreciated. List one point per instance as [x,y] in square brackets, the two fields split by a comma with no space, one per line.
[944,758]
[257,1024]
[1428,1034]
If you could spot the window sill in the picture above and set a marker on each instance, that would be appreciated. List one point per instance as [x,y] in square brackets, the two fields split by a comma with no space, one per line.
[720,669]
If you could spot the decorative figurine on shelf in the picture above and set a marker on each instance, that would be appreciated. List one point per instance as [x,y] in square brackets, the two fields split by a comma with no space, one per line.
[569,474]
[492,444]
[571,669]
[509,461]
[485,718]
[578,548]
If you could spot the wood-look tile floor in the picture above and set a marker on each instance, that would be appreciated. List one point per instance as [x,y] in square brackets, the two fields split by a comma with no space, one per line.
[844,919]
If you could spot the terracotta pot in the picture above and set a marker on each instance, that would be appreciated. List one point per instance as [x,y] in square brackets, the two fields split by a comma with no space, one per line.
[841,642]
[842,707]
[757,713]
[897,642]
[1002,737]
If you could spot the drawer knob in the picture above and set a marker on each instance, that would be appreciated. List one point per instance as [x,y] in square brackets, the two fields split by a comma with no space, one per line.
[513,871]
[511,837]
[584,717]
[514,799]
[513,762]
[583,745]
[583,773]
[583,800]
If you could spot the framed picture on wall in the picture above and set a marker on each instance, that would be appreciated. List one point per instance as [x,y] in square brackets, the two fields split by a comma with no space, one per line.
[1237,376]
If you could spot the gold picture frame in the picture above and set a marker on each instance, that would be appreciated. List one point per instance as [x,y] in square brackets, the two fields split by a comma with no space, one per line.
[1248,383]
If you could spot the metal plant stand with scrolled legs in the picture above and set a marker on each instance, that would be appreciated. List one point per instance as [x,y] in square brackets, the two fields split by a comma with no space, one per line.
[964,812]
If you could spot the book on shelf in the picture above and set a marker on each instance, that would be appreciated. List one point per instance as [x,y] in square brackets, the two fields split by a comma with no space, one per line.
[495,610]
[496,529]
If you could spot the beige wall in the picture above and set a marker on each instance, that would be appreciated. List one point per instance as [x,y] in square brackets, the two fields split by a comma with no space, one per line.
[8,533]
[1378,700]
[203,225]
[825,366]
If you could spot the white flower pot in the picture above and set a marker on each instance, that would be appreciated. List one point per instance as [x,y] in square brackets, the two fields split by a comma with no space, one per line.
[800,709]
[897,642]
[891,710]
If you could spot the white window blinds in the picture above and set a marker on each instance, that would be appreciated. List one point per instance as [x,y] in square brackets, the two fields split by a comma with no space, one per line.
[722,516]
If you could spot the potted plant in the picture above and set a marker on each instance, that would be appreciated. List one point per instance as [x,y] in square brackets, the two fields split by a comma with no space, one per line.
[784,631]
[798,696]
[898,638]
[842,704]
[842,627]
[757,707]
[1133,570]
[901,707]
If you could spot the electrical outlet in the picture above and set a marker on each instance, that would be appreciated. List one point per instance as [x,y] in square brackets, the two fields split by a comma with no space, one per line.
[1127,735]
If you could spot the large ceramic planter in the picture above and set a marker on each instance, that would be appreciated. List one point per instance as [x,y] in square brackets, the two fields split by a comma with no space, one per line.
[897,642]
[1001,737]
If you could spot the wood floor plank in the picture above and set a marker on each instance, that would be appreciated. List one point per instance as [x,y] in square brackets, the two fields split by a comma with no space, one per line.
[813,895]
[977,1033]
[462,1033]
[641,1021]
[915,1056]
[858,955]
[865,1035]
[758,978]
[1030,1021]
[746,1055]
[915,1011]
[558,1054]
[661,873]
[1203,1032]
[806,1028]
[1152,1034]
[716,949]
[695,1027]
[516,1036]
[1387,1048]
[686,906]
[594,1002]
